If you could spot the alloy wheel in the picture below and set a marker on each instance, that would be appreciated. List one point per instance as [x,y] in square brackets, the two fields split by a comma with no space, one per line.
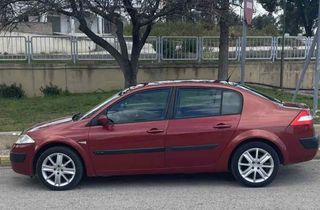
[256,165]
[58,169]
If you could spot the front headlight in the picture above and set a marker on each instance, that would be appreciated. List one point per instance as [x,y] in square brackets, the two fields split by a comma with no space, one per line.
[25,139]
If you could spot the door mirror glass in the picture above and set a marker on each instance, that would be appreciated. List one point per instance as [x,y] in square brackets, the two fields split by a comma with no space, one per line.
[103,120]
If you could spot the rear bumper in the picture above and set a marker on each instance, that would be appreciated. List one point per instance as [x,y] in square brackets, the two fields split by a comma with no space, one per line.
[310,143]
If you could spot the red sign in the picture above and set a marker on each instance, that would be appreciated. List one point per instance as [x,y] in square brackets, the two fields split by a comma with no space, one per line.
[248,11]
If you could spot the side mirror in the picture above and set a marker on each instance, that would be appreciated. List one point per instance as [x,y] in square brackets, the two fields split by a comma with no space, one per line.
[103,120]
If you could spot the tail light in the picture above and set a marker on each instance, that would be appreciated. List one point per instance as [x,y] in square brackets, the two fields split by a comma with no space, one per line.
[303,118]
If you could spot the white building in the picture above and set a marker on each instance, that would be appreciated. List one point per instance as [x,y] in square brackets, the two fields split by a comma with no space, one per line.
[62,24]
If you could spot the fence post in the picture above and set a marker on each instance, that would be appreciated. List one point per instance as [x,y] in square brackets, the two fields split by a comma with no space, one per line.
[29,49]
[308,42]
[73,49]
[158,51]
[239,48]
[274,47]
[200,48]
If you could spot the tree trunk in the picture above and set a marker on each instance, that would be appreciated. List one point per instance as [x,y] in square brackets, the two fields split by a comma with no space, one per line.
[130,73]
[130,79]
[309,32]
[223,48]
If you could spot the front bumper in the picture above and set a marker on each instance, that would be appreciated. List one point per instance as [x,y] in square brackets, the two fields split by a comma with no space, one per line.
[21,157]
[17,157]
[310,143]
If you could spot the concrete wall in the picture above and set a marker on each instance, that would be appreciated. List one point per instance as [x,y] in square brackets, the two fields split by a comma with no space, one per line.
[92,77]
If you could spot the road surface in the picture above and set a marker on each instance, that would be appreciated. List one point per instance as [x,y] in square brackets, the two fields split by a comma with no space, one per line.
[296,187]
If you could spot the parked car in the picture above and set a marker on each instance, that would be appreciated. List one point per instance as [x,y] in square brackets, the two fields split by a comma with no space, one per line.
[171,127]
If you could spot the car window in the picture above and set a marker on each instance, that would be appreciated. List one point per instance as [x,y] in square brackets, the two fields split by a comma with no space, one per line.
[99,106]
[143,106]
[197,102]
[231,103]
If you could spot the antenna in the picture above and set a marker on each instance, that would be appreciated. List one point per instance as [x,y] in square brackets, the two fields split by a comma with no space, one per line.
[228,79]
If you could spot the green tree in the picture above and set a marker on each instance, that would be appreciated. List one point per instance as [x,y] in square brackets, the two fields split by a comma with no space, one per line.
[260,22]
[142,14]
[301,14]
[222,12]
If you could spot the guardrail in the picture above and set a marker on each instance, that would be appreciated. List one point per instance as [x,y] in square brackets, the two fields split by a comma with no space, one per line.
[156,49]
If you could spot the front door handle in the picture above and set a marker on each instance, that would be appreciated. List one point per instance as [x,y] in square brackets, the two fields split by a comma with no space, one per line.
[222,126]
[155,130]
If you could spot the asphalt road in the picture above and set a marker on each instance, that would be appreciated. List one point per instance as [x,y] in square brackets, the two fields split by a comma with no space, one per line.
[296,187]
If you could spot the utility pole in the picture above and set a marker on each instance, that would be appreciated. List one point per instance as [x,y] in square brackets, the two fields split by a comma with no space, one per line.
[316,72]
[243,51]
[247,20]
[284,2]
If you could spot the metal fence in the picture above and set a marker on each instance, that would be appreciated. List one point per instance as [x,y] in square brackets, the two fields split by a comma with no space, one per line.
[295,48]
[51,48]
[156,49]
[179,48]
[210,48]
[13,48]
[259,48]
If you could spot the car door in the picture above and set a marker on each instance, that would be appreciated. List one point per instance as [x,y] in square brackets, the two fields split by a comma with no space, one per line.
[135,139]
[203,121]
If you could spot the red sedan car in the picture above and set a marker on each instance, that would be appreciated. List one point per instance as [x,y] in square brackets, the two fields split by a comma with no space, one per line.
[171,127]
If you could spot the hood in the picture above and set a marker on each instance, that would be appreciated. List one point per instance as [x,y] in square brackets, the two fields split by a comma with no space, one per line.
[49,124]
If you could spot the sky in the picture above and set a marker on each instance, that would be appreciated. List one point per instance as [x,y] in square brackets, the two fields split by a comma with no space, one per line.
[258,9]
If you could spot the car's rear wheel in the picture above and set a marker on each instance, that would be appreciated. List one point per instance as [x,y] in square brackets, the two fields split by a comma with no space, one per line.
[59,168]
[255,164]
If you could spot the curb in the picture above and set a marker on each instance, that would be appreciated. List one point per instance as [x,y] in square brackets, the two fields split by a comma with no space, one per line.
[12,133]
[4,161]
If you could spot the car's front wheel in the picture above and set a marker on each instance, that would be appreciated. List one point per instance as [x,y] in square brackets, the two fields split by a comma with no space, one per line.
[59,168]
[255,164]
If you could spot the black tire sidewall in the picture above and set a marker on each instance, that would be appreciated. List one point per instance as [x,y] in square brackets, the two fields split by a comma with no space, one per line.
[72,155]
[245,147]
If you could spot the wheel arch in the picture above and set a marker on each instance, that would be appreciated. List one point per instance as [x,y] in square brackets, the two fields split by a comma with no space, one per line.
[263,140]
[87,170]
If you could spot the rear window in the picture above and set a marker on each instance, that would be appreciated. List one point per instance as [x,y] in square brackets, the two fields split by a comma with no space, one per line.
[206,102]
[231,103]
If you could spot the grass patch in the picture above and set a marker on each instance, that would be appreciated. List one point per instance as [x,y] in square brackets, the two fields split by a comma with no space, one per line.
[18,114]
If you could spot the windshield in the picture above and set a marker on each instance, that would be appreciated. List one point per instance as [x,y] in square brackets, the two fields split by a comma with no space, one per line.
[256,92]
[96,108]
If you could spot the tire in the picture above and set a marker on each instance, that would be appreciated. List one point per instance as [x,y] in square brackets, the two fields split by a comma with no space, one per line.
[59,168]
[261,171]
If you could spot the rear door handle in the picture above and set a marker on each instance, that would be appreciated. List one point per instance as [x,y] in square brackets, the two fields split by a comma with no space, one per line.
[222,126]
[155,130]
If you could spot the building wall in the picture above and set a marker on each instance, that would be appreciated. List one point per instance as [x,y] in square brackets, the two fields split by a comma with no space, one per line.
[65,25]
[34,28]
[92,77]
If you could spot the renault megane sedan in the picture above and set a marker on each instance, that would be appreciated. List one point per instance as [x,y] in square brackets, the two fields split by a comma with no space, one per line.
[171,127]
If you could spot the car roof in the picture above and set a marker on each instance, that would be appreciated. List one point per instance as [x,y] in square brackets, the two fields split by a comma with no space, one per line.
[183,83]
